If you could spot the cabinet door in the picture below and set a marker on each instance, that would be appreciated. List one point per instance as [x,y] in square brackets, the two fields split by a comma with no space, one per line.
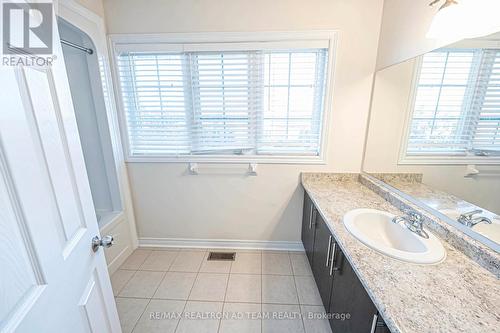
[381,327]
[308,221]
[348,296]
[323,243]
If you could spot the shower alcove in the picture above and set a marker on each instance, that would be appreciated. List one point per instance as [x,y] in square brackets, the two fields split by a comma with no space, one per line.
[90,111]
[88,74]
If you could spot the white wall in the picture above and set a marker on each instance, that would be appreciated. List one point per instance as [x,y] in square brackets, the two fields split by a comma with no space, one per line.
[387,123]
[169,203]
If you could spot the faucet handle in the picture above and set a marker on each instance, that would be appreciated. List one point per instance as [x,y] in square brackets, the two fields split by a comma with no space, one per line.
[413,215]
[471,213]
[414,222]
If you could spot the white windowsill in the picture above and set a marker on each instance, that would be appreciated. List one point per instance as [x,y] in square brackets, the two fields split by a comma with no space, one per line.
[449,160]
[314,160]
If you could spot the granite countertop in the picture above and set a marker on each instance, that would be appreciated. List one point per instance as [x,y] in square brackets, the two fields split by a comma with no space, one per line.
[434,198]
[456,295]
[443,202]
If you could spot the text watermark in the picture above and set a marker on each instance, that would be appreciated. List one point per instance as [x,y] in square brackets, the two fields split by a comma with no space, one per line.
[242,315]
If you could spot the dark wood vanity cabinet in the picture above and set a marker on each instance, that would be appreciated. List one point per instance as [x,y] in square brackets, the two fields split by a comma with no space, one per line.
[348,296]
[308,220]
[323,246]
[341,291]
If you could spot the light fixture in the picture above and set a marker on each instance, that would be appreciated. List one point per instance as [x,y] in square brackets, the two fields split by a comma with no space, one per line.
[446,3]
[446,21]
[458,19]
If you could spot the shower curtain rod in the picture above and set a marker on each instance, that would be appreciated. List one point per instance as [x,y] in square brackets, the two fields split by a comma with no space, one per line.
[76,46]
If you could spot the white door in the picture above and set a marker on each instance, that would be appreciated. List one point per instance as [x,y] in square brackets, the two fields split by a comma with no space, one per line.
[50,278]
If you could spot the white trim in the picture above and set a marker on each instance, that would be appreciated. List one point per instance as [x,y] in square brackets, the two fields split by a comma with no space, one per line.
[403,143]
[405,159]
[329,91]
[221,244]
[118,41]
[220,46]
[449,160]
[93,25]
[219,37]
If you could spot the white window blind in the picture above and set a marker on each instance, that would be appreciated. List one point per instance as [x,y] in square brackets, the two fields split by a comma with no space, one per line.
[153,94]
[456,107]
[234,102]
[487,102]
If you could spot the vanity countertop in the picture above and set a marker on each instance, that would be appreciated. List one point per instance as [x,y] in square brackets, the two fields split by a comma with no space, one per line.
[456,295]
[432,197]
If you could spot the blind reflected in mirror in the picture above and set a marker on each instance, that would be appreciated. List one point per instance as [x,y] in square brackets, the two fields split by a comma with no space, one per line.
[434,133]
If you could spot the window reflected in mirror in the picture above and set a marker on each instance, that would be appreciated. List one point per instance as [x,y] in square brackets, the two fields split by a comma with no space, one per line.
[434,133]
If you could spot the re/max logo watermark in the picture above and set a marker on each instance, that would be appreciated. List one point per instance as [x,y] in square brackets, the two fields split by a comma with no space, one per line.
[27,33]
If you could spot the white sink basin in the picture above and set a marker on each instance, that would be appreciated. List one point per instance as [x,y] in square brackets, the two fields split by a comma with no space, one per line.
[375,229]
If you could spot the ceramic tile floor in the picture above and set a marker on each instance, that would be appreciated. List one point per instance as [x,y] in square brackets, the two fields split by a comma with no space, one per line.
[178,290]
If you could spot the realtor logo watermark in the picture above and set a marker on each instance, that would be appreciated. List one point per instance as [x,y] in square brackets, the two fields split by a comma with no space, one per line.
[27,36]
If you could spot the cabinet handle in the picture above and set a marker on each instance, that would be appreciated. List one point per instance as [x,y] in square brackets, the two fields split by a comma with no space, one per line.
[374,323]
[333,258]
[328,251]
[311,217]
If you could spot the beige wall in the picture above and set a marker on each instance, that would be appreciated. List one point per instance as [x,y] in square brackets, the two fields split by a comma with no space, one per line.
[169,203]
[94,5]
[387,123]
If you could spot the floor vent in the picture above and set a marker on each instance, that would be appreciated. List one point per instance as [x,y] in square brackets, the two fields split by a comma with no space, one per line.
[222,256]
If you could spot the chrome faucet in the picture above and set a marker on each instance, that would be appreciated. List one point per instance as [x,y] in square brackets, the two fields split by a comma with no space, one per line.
[468,220]
[413,221]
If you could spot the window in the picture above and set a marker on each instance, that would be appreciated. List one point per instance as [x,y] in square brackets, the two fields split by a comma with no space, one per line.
[237,100]
[456,105]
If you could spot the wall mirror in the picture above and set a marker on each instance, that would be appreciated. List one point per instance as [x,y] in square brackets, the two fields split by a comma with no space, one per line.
[436,119]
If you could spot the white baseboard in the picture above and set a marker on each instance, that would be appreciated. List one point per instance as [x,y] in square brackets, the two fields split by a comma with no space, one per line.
[221,244]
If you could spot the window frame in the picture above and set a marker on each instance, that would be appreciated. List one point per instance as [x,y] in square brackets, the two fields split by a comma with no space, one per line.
[171,41]
[432,159]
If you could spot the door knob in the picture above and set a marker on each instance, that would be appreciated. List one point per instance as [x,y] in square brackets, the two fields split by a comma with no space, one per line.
[105,242]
